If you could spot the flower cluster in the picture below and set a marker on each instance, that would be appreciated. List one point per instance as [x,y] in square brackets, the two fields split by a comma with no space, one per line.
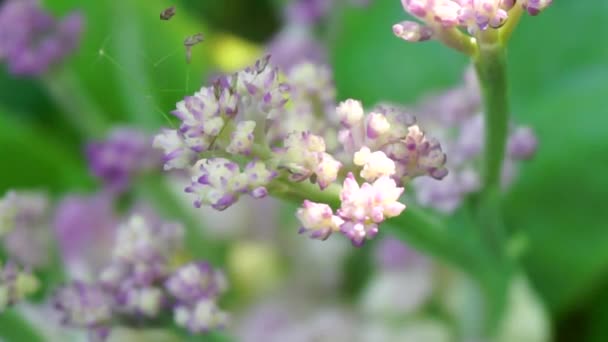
[21,217]
[226,118]
[141,282]
[441,17]
[15,284]
[32,40]
[295,132]
[457,118]
[24,222]
[123,154]
[196,287]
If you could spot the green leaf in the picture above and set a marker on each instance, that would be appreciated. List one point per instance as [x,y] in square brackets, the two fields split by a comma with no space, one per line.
[31,160]
[559,198]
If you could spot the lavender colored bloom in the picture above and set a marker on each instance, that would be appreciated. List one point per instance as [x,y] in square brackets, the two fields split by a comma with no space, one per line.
[219,182]
[195,281]
[522,143]
[31,40]
[308,11]
[86,306]
[294,45]
[84,226]
[121,156]
[15,284]
[196,287]
[142,251]
[393,254]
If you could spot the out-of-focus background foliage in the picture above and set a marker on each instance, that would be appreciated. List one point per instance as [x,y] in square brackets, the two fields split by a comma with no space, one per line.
[132,65]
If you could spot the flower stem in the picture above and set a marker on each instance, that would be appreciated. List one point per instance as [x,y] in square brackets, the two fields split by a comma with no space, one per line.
[490,64]
[507,30]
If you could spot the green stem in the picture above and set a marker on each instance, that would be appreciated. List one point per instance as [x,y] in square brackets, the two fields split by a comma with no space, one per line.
[490,64]
[15,328]
[507,30]
[457,40]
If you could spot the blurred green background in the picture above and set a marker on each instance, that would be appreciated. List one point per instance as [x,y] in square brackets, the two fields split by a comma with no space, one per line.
[558,68]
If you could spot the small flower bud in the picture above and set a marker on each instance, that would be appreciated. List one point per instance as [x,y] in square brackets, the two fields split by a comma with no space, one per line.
[522,143]
[318,220]
[375,165]
[242,138]
[412,31]
[350,112]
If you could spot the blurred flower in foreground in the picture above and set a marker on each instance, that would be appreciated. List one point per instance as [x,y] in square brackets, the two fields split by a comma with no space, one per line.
[250,133]
[32,40]
[402,283]
[84,226]
[123,155]
[141,281]
[455,115]
[24,216]
[15,284]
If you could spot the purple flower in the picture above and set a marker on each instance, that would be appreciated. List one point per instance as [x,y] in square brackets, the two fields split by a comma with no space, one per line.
[219,182]
[121,156]
[196,288]
[84,226]
[308,11]
[86,306]
[294,45]
[31,40]
[195,281]
[393,254]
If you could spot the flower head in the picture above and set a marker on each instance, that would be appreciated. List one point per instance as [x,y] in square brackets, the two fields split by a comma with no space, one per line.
[443,19]
[32,40]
